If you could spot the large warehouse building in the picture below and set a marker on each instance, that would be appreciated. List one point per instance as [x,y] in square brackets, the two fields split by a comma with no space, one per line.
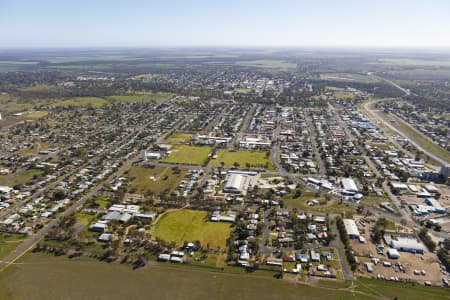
[405,244]
[351,228]
[349,187]
[238,182]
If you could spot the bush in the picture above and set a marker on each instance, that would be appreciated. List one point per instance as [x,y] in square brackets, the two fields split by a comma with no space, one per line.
[426,238]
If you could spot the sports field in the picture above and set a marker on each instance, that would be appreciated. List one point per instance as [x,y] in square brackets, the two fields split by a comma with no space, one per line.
[190,225]
[243,159]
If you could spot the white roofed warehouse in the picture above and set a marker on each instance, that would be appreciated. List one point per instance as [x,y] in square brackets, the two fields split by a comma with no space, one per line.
[349,187]
[404,244]
[351,228]
[238,182]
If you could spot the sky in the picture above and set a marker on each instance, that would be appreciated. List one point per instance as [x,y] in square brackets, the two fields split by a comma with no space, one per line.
[154,23]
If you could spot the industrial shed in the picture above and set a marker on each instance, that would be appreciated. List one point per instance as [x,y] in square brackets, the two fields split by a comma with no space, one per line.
[238,182]
[351,228]
[405,244]
[349,187]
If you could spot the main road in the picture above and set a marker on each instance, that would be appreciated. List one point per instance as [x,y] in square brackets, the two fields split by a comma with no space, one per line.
[367,107]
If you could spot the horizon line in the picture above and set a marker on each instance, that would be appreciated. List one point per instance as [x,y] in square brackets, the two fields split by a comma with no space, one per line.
[231,46]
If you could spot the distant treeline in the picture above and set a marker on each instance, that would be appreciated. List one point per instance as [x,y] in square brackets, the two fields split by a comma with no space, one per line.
[378,89]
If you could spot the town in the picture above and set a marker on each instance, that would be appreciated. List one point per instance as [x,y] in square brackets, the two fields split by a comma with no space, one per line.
[233,169]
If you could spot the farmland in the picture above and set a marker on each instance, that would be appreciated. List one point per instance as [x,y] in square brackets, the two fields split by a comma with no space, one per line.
[269,64]
[184,154]
[12,66]
[26,280]
[158,97]
[346,77]
[189,225]
[414,62]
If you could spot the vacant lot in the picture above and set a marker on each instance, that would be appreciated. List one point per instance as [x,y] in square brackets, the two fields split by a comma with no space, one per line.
[154,180]
[190,225]
[34,115]
[63,278]
[9,242]
[344,95]
[179,137]
[301,203]
[244,159]
[19,178]
[190,155]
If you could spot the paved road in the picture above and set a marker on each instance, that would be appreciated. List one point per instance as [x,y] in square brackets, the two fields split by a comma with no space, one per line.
[405,91]
[336,243]
[263,248]
[35,238]
[234,143]
[313,138]
[387,124]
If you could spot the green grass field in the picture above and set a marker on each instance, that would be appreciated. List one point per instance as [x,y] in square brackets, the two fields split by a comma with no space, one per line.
[12,66]
[9,242]
[347,77]
[191,155]
[145,76]
[301,204]
[35,148]
[87,58]
[158,97]
[165,180]
[422,73]
[413,62]
[190,225]
[420,139]
[86,67]
[85,278]
[34,115]
[343,95]
[252,159]
[19,178]
[81,101]
[269,64]
[179,137]
[242,90]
